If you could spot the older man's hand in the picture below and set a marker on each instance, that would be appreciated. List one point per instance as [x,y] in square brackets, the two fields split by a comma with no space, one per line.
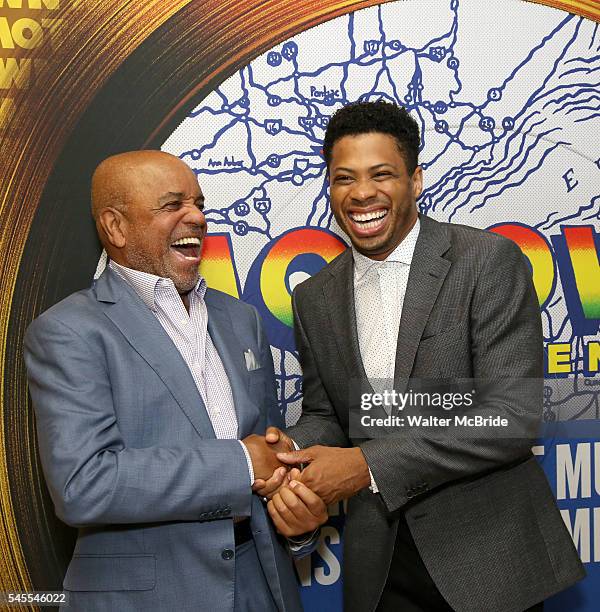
[267,487]
[263,456]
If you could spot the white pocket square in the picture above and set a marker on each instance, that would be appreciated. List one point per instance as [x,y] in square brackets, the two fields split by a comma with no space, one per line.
[251,362]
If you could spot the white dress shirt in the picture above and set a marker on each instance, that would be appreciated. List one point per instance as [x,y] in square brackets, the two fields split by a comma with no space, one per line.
[379,290]
[189,333]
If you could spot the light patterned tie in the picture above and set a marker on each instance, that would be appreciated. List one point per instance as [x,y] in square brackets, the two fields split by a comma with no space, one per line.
[374,338]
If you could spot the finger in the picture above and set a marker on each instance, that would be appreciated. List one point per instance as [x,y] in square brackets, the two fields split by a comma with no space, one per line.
[277,476]
[293,511]
[306,520]
[294,474]
[272,435]
[281,507]
[266,488]
[311,500]
[279,523]
[317,484]
[295,505]
[295,457]
[288,523]
[309,477]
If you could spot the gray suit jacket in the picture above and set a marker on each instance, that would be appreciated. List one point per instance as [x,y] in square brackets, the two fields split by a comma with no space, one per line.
[130,455]
[480,510]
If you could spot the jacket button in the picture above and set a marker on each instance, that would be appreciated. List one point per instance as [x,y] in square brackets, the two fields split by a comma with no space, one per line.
[227,554]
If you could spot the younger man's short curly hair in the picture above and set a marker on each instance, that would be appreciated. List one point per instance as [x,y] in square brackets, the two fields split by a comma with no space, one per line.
[369,117]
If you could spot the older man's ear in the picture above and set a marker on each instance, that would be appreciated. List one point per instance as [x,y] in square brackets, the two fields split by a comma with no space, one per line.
[111,227]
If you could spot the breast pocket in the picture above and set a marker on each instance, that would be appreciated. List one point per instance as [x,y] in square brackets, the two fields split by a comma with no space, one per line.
[444,354]
[256,382]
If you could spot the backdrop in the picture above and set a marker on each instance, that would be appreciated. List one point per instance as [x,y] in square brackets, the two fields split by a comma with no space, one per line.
[506,93]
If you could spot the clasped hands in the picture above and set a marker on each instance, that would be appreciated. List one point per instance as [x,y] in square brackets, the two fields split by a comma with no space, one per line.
[299,499]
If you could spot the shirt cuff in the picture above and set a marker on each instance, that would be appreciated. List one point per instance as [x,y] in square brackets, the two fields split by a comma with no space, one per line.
[297,543]
[373,486]
[249,462]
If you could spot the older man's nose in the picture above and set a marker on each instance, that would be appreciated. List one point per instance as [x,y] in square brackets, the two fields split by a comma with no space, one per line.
[194,215]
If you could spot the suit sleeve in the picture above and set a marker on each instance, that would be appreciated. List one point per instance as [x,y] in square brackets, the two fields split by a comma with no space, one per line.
[506,343]
[318,423]
[92,476]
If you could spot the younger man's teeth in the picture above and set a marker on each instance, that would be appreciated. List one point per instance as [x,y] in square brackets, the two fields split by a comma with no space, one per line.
[364,217]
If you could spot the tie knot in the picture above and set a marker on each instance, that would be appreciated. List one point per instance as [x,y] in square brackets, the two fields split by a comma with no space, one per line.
[372,273]
[380,267]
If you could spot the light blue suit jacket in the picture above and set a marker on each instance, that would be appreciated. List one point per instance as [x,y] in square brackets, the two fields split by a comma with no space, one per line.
[130,455]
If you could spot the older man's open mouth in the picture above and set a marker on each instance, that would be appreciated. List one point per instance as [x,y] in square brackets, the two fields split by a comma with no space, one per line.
[188,248]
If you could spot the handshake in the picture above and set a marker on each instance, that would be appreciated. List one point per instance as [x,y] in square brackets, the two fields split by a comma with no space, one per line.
[300,484]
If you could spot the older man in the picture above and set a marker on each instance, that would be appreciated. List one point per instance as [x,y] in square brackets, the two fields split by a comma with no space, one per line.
[149,391]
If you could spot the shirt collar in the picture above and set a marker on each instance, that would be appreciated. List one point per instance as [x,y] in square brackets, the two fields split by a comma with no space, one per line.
[146,285]
[403,253]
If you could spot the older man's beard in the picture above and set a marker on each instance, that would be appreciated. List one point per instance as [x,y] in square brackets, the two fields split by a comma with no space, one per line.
[184,282]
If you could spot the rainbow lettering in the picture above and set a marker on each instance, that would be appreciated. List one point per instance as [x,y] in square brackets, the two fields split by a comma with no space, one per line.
[537,250]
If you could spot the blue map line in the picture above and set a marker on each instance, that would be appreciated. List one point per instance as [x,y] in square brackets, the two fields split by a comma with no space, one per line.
[562,55]
[578,87]
[575,95]
[561,329]
[350,31]
[588,60]
[568,104]
[594,201]
[325,218]
[541,45]
[593,36]
[513,170]
[258,230]
[587,118]
[582,69]
[452,32]
[516,183]
[574,109]
[313,210]
[465,171]
[533,97]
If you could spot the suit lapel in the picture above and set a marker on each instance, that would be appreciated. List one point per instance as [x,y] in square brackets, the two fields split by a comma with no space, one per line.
[427,273]
[220,327]
[339,292]
[145,334]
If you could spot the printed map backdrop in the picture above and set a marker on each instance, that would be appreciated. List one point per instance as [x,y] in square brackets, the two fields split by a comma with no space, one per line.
[507,96]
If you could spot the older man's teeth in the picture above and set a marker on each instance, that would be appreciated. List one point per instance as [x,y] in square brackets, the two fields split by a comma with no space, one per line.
[369,220]
[187,242]
[189,247]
